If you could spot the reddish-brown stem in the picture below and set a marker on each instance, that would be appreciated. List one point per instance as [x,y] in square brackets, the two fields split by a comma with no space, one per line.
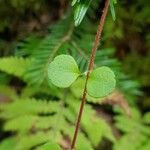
[90,67]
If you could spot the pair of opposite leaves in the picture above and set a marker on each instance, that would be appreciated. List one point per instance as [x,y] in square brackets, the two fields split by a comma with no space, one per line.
[63,71]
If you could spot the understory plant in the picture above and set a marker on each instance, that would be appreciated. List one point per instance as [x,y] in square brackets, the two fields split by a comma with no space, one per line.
[40,111]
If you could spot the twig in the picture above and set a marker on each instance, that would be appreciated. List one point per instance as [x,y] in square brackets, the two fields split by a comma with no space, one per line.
[90,67]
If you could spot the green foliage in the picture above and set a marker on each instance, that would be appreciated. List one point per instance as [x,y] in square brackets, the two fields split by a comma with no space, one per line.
[137,133]
[63,71]
[14,65]
[23,116]
[18,108]
[62,39]
[27,46]
[6,90]
[49,145]
[75,1]
[101,82]
[132,17]
[46,49]
[146,118]
[81,7]
[112,2]
[8,144]
[36,121]
[39,114]
[80,10]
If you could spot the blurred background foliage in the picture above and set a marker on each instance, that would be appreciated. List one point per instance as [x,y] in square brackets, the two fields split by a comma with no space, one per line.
[32,113]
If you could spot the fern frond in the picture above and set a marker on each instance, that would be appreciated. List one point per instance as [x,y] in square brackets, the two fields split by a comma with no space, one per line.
[101,128]
[46,49]
[132,141]
[28,46]
[28,123]
[21,124]
[8,93]
[28,116]
[136,133]
[14,65]
[28,142]
[25,142]
[8,144]
[27,106]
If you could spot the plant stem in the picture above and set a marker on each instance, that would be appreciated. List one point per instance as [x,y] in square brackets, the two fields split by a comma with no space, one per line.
[90,67]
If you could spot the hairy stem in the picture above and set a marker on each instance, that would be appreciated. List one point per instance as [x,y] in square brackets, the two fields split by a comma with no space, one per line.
[90,67]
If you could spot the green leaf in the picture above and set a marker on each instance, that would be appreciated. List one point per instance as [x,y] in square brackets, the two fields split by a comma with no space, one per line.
[63,71]
[80,11]
[101,82]
[77,90]
[50,146]
[112,2]
[74,2]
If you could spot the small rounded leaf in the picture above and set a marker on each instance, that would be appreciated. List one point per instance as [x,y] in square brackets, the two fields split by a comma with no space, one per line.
[101,82]
[63,71]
